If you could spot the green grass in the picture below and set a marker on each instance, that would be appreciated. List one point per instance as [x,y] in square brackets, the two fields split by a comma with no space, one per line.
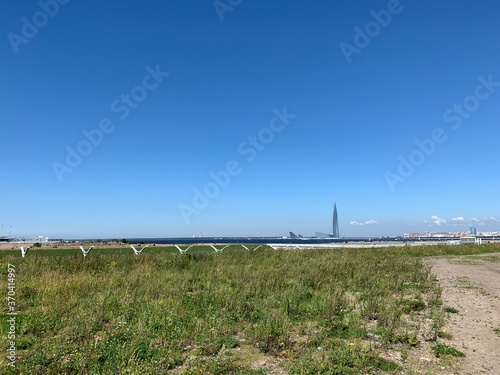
[445,335]
[451,310]
[442,350]
[416,304]
[411,251]
[200,312]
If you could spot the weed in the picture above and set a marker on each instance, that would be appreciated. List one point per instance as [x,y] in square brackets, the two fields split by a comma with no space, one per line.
[412,305]
[444,335]
[404,354]
[406,338]
[441,350]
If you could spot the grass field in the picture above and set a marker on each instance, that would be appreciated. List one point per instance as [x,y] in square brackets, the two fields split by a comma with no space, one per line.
[235,312]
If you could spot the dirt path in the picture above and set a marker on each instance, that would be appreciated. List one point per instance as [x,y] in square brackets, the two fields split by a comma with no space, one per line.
[471,284]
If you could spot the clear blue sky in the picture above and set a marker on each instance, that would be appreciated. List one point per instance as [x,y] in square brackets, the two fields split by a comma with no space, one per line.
[334,94]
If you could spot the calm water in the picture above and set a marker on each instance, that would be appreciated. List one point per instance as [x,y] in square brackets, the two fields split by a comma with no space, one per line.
[244,240]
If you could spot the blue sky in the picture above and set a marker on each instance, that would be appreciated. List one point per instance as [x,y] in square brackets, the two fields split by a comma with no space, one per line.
[180,118]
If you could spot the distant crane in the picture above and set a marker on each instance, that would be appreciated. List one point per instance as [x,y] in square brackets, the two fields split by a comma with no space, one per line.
[86,252]
[137,252]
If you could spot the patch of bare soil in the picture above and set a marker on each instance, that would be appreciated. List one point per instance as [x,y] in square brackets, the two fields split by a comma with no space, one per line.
[471,285]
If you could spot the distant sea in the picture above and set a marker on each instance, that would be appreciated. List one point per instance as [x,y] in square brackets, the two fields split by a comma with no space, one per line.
[243,240]
[274,240]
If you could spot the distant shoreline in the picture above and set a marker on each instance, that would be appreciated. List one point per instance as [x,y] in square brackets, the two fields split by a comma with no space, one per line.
[285,242]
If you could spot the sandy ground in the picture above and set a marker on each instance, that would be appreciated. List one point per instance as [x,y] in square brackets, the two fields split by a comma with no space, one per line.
[471,284]
[10,246]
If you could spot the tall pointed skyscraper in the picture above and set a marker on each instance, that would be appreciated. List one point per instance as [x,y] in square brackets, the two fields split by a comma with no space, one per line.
[335,221]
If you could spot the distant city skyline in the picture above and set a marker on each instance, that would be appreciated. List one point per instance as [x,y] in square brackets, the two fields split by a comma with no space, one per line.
[177,118]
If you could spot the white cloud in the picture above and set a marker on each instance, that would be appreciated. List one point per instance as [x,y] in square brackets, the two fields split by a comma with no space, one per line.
[461,221]
[367,222]
[438,221]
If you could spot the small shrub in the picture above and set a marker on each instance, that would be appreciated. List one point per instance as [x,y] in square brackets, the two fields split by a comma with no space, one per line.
[143,352]
[442,350]
[229,342]
[382,364]
[444,335]
[402,338]
[451,310]
[345,331]
[404,354]
[436,302]
[210,348]
[413,305]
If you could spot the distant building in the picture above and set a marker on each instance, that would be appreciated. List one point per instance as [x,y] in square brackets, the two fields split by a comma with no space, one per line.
[471,240]
[440,235]
[323,235]
[335,227]
[295,236]
[335,233]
